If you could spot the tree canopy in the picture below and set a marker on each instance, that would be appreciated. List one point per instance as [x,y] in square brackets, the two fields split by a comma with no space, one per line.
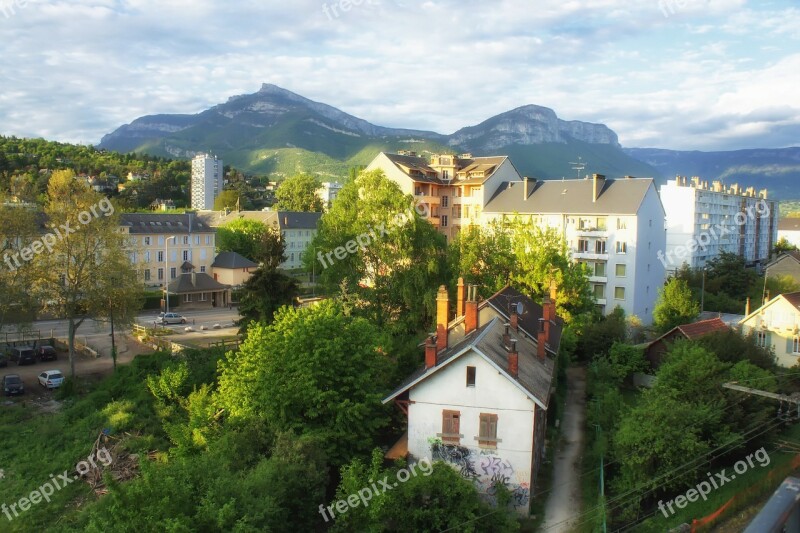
[675,306]
[298,193]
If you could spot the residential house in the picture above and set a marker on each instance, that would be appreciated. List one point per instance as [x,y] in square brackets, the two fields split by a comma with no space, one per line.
[613,226]
[196,290]
[480,402]
[159,244]
[655,350]
[233,269]
[451,190]
[789,229]
[717,219]
[296,228]
[776,325]
[786,264]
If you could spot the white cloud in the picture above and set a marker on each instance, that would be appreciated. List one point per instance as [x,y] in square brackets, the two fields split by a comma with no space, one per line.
[713,74]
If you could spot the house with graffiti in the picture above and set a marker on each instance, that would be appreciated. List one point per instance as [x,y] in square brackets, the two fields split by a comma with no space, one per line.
[480,401]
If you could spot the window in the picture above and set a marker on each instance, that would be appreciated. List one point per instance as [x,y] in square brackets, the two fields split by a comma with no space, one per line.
[186,255]
[147,241]
[621,270]
[147,256]
[761,339]
[445,174]
[203,297]
[185,239]
[796,345]
[208,240]
[444,221]
[602,224]
[599,291]
[622,247]
[470,376]
[622,223]
[600,270]
[187,298]
[292,258]
[619,293]
[487,432]
[160,274]
[161,240]
[160,257]
[451,427]
[197,239]
[600,247]
[583,245]
[445,201]
[147,274]
[173,273]
[202,269]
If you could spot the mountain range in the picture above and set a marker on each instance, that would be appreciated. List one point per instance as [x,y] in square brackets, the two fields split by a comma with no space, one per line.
[275,131]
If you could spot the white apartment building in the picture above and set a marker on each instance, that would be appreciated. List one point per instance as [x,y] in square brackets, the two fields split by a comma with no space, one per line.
[614,226]
[328,193]
[207,181]
[703,221]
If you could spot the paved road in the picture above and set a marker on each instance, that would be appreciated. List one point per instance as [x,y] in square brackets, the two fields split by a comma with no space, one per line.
[564,501]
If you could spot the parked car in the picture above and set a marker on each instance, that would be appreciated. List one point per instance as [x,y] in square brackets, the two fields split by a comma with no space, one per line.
[171,318]
[22,355]
[47,353]
[12,384]
[51,379]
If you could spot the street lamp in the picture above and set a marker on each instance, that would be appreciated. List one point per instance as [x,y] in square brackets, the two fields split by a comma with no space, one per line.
[166,269]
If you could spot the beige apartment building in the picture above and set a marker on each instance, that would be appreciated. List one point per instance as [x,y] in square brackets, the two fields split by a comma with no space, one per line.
[159,244]
[452,190]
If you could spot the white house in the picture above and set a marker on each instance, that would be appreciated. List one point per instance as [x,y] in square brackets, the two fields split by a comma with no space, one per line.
[480,402]
[614,226]
[703,221]
[789,229]
[776,325]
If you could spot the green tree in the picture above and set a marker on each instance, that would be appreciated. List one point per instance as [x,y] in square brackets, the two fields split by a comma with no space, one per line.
[389,258]
[266,291]
[88,257]
[675,306]
[783,246]
[313,371]
[243,236]
[437,498]
[227,199]
[17,232]
[298,193]
[598,336]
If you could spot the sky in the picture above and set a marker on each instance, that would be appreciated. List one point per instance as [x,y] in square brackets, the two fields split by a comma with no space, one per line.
[677,74]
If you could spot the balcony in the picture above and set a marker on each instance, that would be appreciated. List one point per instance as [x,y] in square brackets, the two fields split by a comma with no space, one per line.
[592,232]
[598,279]
[590,255]
[427,199]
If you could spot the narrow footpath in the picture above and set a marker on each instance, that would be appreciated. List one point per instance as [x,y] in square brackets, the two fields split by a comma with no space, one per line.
[564,501]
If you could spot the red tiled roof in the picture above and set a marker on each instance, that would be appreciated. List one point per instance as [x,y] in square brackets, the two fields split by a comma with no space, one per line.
[704,327]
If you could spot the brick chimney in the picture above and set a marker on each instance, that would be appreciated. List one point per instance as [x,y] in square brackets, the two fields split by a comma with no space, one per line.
[598,180]
[471,310]
[430,353]
[548,312]
[541,340]
[513,359]
[442,303]
[507,336]
[514,320]
[460,296]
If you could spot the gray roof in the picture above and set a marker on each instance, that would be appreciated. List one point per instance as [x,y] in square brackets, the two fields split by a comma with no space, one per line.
[789,224]
[427,174]
[617,196]
[531,314]
[535,375]
[272,219]
[195,282]
[232,260]
[148,223]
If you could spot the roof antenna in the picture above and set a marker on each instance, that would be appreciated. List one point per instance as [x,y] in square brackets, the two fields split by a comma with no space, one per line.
[578,167]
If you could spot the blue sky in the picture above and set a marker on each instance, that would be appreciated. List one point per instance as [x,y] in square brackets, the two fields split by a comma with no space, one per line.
[681,74]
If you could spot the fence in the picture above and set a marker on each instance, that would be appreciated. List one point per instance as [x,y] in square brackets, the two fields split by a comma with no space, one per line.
[766,484]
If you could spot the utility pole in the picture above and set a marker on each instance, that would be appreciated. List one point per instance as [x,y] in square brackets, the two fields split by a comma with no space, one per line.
[602,481]
[780,397]
[703,292]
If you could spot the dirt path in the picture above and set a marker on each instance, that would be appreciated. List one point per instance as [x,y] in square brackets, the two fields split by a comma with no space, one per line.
[565,497]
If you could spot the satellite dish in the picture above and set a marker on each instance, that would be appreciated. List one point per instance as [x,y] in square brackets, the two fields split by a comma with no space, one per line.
[520,308]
